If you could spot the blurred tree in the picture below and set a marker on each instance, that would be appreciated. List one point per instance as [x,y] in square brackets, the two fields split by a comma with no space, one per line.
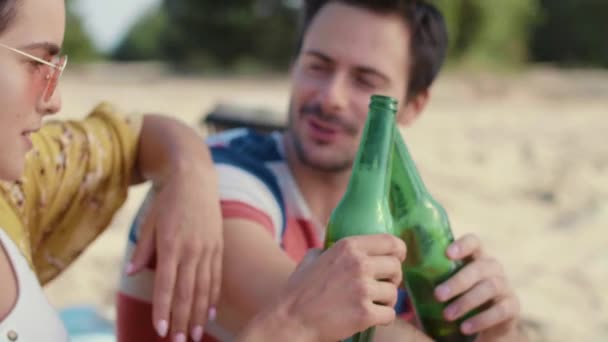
[572,33]
[243,35]
[490,32]
[224,34]
[505,31]
[77,44]
[142,41]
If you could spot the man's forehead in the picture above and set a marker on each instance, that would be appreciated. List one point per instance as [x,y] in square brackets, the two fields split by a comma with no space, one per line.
[359,36]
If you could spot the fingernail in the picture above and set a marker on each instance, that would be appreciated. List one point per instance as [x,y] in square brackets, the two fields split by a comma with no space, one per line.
[451,312]
[467,327]
[129,269]
[442,292]
[162,327]
[180,338]
[197,333]
[212,314]
[454,251]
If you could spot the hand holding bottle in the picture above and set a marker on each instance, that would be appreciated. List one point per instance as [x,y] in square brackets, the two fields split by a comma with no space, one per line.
[332,295]
[481,285]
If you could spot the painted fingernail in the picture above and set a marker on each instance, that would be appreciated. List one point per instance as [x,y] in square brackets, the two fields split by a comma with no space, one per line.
[162,327]
[467,327]
[442,292]
[212,314]
[181,337]
[129,269]
[197,333]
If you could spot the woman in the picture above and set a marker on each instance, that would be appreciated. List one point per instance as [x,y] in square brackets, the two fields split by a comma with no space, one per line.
[57,198]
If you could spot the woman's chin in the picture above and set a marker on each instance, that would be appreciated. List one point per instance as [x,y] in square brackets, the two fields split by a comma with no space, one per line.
[12,170]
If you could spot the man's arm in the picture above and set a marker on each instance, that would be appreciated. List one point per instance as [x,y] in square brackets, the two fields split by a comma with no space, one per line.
[275,324]
[400,331]
[255,272]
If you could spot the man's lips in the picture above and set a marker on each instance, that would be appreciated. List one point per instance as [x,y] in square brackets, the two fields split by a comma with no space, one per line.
[321,130]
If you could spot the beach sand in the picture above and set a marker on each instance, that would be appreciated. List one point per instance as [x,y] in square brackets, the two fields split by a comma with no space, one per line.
[519,159]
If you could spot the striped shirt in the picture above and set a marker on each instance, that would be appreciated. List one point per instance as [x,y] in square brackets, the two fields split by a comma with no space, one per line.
[255,184]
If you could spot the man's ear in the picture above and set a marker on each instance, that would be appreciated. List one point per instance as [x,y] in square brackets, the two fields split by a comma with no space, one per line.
[292,64]
[413,108]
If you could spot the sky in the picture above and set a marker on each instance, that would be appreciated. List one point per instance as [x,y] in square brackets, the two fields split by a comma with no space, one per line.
[108,21]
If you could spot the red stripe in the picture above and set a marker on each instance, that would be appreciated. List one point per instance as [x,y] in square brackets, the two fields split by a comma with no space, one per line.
[134,321]
[235,210]
[232,209]
[408,316]
[300,236]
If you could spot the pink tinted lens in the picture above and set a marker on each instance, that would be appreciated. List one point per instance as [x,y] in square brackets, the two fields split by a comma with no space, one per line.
[54,76]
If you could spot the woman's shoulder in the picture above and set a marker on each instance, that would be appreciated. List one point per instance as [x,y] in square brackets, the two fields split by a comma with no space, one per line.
[23,303]
[8,295]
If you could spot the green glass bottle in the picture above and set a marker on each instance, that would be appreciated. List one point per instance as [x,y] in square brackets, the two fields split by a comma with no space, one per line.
[364,208]
[423,224]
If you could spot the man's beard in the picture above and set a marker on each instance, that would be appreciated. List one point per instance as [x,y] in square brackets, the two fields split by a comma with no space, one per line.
[335,166]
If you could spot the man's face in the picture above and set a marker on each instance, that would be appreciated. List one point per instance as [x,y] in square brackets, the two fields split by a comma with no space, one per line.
[348,54]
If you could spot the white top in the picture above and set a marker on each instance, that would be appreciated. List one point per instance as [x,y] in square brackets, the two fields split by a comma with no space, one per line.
[32,318]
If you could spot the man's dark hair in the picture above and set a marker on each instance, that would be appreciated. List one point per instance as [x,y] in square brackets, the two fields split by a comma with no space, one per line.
[7,13]
[429,40]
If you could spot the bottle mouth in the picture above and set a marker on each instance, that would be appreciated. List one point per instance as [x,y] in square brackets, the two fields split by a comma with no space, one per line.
[383,102]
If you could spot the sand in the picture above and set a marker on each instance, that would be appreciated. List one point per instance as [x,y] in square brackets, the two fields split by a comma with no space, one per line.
[520,160]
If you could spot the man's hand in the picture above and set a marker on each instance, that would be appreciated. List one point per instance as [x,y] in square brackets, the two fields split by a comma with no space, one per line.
[349,288]
[481,285]
[183,225]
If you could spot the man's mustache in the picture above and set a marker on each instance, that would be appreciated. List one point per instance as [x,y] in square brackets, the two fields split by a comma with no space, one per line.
[316,110]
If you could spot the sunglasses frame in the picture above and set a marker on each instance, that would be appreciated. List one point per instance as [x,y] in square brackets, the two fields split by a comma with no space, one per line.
[51,78]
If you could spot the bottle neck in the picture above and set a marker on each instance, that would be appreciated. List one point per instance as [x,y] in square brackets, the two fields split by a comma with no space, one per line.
[407,187]
[372,168]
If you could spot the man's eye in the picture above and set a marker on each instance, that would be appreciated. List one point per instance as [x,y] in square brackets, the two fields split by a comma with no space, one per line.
[317,67]
[365,83]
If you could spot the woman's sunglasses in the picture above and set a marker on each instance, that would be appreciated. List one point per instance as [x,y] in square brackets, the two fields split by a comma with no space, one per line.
[57,65]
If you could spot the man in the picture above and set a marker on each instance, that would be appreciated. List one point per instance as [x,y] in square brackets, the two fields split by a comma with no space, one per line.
[278,191]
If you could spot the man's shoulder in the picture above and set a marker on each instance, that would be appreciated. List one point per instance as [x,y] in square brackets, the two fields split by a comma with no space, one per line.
[241,151]
[244,160]
[249,184]
[245,146]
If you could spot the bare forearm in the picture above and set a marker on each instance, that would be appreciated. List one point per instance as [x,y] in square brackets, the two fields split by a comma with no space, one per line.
[255,273]
[275,325]
[167,146]
[400,331]
[514,336]
[512,332]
